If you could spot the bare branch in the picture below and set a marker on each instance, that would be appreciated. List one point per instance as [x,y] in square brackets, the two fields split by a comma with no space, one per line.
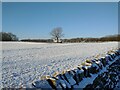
[56,33]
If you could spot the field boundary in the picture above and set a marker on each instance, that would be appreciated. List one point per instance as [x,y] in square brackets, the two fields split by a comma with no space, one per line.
[81,77]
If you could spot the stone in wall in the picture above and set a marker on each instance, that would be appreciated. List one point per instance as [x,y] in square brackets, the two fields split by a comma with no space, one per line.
[52,82]
[69,77]
[99,63]
[79,74]
[86,71]
[103,61]
[41,84]
[94,68]
[64,84]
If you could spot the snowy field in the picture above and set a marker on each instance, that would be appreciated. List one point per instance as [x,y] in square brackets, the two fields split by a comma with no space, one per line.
[23,62]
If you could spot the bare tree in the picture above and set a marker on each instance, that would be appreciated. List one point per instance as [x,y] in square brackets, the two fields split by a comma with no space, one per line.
[57,33]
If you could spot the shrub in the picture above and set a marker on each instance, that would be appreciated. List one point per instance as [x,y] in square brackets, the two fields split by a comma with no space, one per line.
[4,36]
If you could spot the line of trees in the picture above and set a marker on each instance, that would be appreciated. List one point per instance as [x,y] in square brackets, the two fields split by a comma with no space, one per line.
[38,40]
[57,34]
[77,40]
[102,39]
[4,36]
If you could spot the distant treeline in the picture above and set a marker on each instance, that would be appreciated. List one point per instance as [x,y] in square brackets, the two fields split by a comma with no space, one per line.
[73,40]
[37,40]
[102,39]
[4,36]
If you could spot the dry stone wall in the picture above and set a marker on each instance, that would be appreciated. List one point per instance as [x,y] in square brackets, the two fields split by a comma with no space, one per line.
[109,79]
[98,73]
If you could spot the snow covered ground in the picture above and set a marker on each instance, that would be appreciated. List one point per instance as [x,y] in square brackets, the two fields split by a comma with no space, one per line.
[23,62]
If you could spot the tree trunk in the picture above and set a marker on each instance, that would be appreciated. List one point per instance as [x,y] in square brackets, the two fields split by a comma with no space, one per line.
[57,39]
